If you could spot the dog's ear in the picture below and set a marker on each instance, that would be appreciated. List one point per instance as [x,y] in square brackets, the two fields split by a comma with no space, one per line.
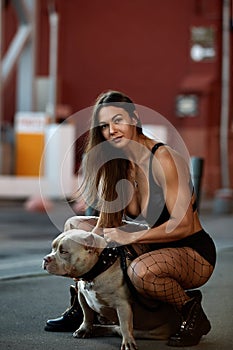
[69,225]
[90,242]
[72,226]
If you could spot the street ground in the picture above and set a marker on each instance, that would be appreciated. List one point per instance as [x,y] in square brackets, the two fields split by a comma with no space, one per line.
[29,296]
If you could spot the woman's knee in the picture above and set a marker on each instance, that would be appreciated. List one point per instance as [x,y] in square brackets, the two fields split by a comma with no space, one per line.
[138,270]
[135,269]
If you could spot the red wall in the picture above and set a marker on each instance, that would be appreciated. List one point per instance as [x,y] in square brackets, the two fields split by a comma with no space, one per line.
[143,49]
[140,47]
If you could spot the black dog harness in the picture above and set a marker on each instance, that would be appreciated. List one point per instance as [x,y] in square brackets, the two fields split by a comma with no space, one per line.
[107,258]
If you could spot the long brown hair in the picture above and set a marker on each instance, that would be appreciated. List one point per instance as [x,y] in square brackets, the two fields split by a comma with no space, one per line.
[104,166]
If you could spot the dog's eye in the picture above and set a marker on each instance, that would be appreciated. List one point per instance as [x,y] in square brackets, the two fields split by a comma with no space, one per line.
[62,250]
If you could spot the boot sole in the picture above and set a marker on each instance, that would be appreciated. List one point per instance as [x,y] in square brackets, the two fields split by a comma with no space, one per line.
[207,328]
[179,342]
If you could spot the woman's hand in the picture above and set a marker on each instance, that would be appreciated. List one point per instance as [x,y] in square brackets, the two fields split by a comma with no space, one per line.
[118,236]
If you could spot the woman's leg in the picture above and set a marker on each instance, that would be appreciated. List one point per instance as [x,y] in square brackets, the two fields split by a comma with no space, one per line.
[165,274]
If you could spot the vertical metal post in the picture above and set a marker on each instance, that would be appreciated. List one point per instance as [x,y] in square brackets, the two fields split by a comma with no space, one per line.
[224,152]
[197,165]
[27,60]
[223,202]
[22,51]
[1,110]
[53,54]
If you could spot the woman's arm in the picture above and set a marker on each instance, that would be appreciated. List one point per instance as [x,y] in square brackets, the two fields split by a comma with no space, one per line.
[98,229]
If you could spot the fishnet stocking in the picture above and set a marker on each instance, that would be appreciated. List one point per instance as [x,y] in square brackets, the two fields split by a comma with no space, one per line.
[164,274]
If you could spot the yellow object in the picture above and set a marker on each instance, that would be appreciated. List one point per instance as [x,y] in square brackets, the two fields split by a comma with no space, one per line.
[30,140]
[29,150]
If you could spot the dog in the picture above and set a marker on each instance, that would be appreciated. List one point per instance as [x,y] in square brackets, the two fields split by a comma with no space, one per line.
[103,289]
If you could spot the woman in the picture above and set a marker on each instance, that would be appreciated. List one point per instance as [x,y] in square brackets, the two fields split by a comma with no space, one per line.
[179,255]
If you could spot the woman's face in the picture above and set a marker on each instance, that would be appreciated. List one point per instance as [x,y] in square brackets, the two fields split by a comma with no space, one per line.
[117,126]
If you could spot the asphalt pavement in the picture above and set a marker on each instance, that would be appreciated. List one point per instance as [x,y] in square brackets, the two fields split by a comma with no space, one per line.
[29,296]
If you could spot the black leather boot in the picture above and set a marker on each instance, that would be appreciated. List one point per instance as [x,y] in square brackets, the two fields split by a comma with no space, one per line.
[194,325]
[195,293]
[70,319]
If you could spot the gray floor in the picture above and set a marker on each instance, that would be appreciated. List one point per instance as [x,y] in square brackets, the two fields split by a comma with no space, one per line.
[28,296]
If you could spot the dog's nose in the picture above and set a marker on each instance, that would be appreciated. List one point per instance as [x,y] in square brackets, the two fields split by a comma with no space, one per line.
[47,259]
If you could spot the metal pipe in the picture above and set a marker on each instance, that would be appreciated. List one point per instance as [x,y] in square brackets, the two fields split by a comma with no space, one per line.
[224,152]
[197,165]
[223,203]
[1,118]
[26,69]
[53,53]
[15,50]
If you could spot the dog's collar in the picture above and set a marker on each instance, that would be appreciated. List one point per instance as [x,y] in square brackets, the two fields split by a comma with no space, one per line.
[106,259]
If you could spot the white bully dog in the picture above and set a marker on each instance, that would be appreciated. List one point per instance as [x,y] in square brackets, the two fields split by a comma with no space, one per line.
[102,288]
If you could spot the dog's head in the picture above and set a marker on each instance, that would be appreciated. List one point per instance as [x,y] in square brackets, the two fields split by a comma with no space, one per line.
[74,253]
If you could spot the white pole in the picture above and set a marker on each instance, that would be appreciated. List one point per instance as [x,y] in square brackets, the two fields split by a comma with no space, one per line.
[1,119]
[53,53]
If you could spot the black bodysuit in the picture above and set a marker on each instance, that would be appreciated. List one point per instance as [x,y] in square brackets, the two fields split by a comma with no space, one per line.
[157,214]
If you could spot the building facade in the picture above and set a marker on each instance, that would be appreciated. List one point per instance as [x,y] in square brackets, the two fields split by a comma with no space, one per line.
[166,55]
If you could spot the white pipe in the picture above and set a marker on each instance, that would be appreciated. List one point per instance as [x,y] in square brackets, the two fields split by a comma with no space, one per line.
[1,117]
[14,51]
[224,152]
[53,53]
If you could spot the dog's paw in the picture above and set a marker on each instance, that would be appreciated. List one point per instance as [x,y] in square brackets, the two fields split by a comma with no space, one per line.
[129,344]
[83,332]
